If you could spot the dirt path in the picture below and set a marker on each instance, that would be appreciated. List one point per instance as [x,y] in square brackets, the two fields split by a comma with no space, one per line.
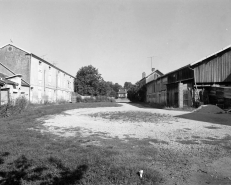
[189,151]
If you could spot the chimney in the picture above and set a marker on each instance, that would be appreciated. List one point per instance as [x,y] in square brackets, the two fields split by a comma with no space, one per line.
[143,75]
[153,69]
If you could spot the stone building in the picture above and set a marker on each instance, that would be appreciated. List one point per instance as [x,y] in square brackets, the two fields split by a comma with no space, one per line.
[38,80]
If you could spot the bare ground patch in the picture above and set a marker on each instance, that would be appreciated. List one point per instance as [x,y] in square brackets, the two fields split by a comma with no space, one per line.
[179,151]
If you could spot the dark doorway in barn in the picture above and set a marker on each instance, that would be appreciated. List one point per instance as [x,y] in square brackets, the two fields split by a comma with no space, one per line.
[176,99]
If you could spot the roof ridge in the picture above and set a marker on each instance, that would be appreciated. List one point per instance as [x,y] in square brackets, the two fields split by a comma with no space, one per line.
[202,59]
[37,57]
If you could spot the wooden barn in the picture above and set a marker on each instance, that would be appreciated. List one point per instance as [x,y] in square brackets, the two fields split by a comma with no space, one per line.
[180,87]
[212,76]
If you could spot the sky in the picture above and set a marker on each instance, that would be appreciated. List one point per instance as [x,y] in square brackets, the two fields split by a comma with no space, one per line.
[117,37]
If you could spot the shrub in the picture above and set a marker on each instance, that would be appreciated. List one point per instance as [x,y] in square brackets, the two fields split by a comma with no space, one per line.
[13,107]
[47,102]
[62,101]
[94,99]
[78,99]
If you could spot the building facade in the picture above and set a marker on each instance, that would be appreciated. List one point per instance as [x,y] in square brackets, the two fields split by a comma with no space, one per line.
[207,81]
[122,93]
[212,76]
[45,82]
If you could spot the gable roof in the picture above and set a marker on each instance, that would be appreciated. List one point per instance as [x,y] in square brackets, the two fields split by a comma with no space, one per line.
[214,54]
[157,71]
[37,57]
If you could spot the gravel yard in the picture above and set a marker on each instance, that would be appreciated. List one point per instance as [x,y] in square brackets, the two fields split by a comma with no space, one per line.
[183,150]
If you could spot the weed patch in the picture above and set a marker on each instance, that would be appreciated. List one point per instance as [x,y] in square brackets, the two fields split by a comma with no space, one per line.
[134,116]
[30,157]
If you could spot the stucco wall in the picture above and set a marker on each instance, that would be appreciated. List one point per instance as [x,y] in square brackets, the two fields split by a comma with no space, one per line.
[49,83]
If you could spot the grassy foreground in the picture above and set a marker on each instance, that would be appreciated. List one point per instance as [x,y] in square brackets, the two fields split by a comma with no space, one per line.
[29,157]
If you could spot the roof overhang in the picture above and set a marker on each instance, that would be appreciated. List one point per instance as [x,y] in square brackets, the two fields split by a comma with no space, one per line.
[214,54]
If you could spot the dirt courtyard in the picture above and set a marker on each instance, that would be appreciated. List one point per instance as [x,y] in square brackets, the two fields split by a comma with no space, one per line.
[185,148]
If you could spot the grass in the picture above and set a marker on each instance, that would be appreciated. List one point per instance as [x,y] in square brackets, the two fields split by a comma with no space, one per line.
[30,157]
[134,116]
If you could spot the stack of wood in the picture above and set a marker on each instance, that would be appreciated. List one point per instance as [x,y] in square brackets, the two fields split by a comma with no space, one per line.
[220,96]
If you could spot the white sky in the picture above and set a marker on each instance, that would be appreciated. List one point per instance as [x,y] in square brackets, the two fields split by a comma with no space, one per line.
[117,36]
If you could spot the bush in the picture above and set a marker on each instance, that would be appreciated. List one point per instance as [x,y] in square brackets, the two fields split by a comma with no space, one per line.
[62,101]
[47,102]
[13,107]
[78,99]
[94,99]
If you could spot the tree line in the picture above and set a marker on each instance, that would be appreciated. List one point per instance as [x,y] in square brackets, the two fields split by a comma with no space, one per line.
[89,82]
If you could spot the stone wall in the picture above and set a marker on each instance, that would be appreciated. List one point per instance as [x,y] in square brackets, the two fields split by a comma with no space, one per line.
[16,60]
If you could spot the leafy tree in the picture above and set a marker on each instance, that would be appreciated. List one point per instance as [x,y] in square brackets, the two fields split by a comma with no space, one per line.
[88,81]
[137,92]
[128,85]
[116,87]
[104,89]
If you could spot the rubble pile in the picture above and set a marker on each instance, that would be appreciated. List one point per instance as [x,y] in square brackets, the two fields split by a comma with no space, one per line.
[212,109]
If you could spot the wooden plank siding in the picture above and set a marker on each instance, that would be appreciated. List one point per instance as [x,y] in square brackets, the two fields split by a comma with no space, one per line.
[179,75]
[216,69]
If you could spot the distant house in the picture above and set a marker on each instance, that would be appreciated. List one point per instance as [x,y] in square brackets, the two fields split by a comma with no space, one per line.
[37,79]
[122,93]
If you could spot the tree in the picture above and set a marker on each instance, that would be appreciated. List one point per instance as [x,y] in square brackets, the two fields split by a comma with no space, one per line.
[104,89]
[116,87]
[127,85]
[137,92]
[88,81]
